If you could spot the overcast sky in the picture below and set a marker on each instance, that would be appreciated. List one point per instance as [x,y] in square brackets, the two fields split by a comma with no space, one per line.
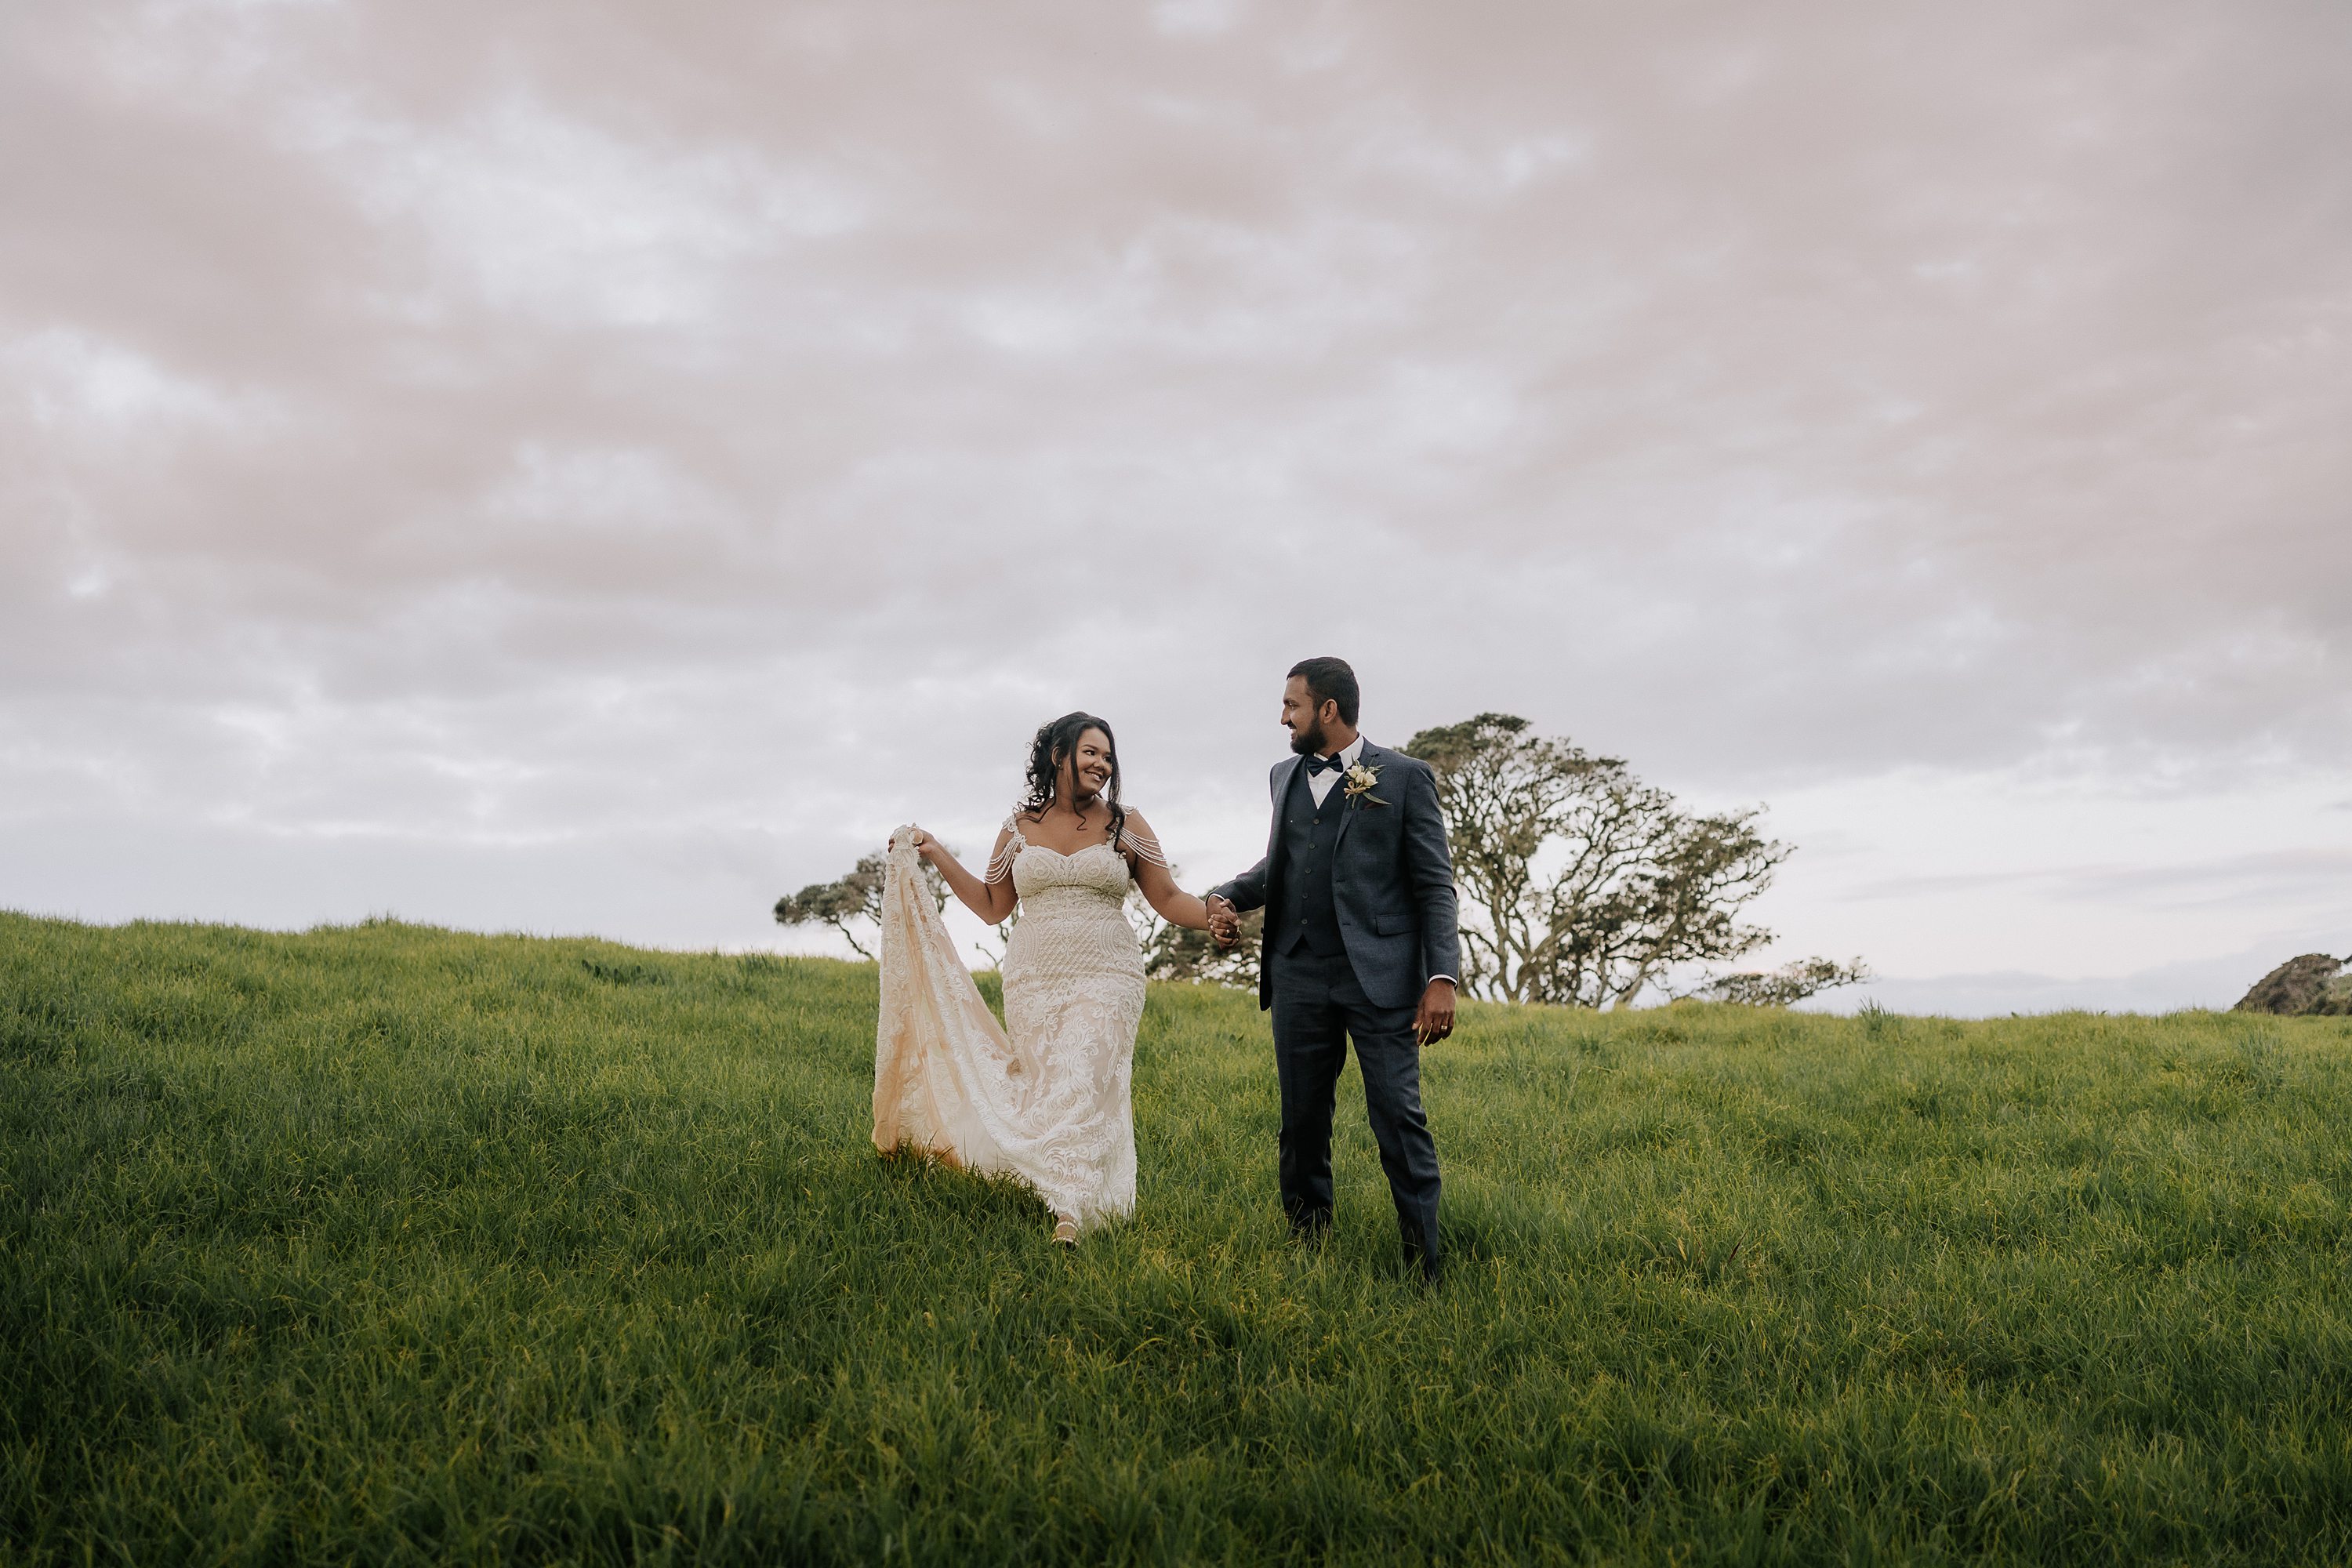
[589,466]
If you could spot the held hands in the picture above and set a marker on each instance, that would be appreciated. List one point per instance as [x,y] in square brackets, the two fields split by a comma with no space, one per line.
[1224,921]
[1434,1021]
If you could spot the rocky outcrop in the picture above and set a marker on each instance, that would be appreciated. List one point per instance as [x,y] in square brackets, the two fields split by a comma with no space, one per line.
[2314,985]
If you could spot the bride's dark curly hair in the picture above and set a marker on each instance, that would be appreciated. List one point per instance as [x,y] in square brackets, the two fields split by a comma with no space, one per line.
[1055,744]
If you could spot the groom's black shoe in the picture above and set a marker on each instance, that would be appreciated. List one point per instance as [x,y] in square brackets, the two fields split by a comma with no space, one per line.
[1308,1227]
[1426,1258]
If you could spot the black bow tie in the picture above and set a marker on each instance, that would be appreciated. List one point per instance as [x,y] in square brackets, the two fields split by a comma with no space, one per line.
[1316,764]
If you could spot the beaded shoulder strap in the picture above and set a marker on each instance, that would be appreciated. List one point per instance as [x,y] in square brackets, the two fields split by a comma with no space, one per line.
[999,865]
[1145,846]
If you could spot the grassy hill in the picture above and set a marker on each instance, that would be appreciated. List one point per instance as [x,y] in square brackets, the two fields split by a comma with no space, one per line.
[396,1245]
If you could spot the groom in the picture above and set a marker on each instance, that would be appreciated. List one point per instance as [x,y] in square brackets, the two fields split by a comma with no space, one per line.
[1359,943]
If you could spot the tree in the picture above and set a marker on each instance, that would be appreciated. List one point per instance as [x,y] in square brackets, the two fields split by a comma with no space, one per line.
[1582,886]
[2312,987]
[853,900]
[1784,986]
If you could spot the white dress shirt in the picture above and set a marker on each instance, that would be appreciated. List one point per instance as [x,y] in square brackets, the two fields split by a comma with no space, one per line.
[1322,783]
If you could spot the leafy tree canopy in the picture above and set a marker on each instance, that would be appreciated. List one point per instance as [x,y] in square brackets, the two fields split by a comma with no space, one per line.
[1580,885]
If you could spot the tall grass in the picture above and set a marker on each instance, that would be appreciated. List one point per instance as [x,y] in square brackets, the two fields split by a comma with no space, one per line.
[401,1246]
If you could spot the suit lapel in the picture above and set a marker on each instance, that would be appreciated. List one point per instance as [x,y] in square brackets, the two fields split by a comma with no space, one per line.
[1285,771]
[1347,807]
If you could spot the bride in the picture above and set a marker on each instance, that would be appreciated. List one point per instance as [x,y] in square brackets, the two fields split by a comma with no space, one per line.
[1046,1098]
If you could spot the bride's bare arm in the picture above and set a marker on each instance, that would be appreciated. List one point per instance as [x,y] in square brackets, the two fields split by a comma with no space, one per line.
[1174,905]
[992,901]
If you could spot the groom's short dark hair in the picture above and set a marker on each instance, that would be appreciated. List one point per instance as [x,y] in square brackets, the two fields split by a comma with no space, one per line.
[1330,680]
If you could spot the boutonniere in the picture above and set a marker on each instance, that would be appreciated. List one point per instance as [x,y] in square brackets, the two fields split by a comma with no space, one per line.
[1359,781]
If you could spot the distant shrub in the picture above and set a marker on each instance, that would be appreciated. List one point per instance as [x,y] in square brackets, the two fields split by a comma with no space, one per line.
[1782,987]
[2311,986]
[624,974]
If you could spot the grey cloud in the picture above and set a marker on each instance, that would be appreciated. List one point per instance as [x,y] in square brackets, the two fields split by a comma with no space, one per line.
[512,423]
[2261,881]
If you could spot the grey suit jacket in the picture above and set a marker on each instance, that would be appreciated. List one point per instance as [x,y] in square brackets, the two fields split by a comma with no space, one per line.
[1391,881]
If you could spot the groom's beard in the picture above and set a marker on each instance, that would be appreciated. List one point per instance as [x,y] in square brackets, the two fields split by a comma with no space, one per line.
[1313,743]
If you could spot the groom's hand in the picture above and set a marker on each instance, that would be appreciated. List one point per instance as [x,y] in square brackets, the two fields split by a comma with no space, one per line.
[1435,1020]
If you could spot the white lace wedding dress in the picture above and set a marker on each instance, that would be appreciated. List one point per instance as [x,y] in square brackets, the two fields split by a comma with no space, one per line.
[1048,1098]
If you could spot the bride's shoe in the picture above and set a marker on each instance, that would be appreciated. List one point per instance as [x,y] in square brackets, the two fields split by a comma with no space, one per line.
[1065,1231]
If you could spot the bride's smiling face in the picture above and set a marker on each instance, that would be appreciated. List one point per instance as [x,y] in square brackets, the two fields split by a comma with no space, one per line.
[1087,770]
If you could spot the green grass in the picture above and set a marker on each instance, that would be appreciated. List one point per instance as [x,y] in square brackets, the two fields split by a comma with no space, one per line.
[394,1245]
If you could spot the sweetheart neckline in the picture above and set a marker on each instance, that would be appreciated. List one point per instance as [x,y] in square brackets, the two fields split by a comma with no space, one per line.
[1067,855]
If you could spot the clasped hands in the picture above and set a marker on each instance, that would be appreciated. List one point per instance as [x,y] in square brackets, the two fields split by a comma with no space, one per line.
[1224,921]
